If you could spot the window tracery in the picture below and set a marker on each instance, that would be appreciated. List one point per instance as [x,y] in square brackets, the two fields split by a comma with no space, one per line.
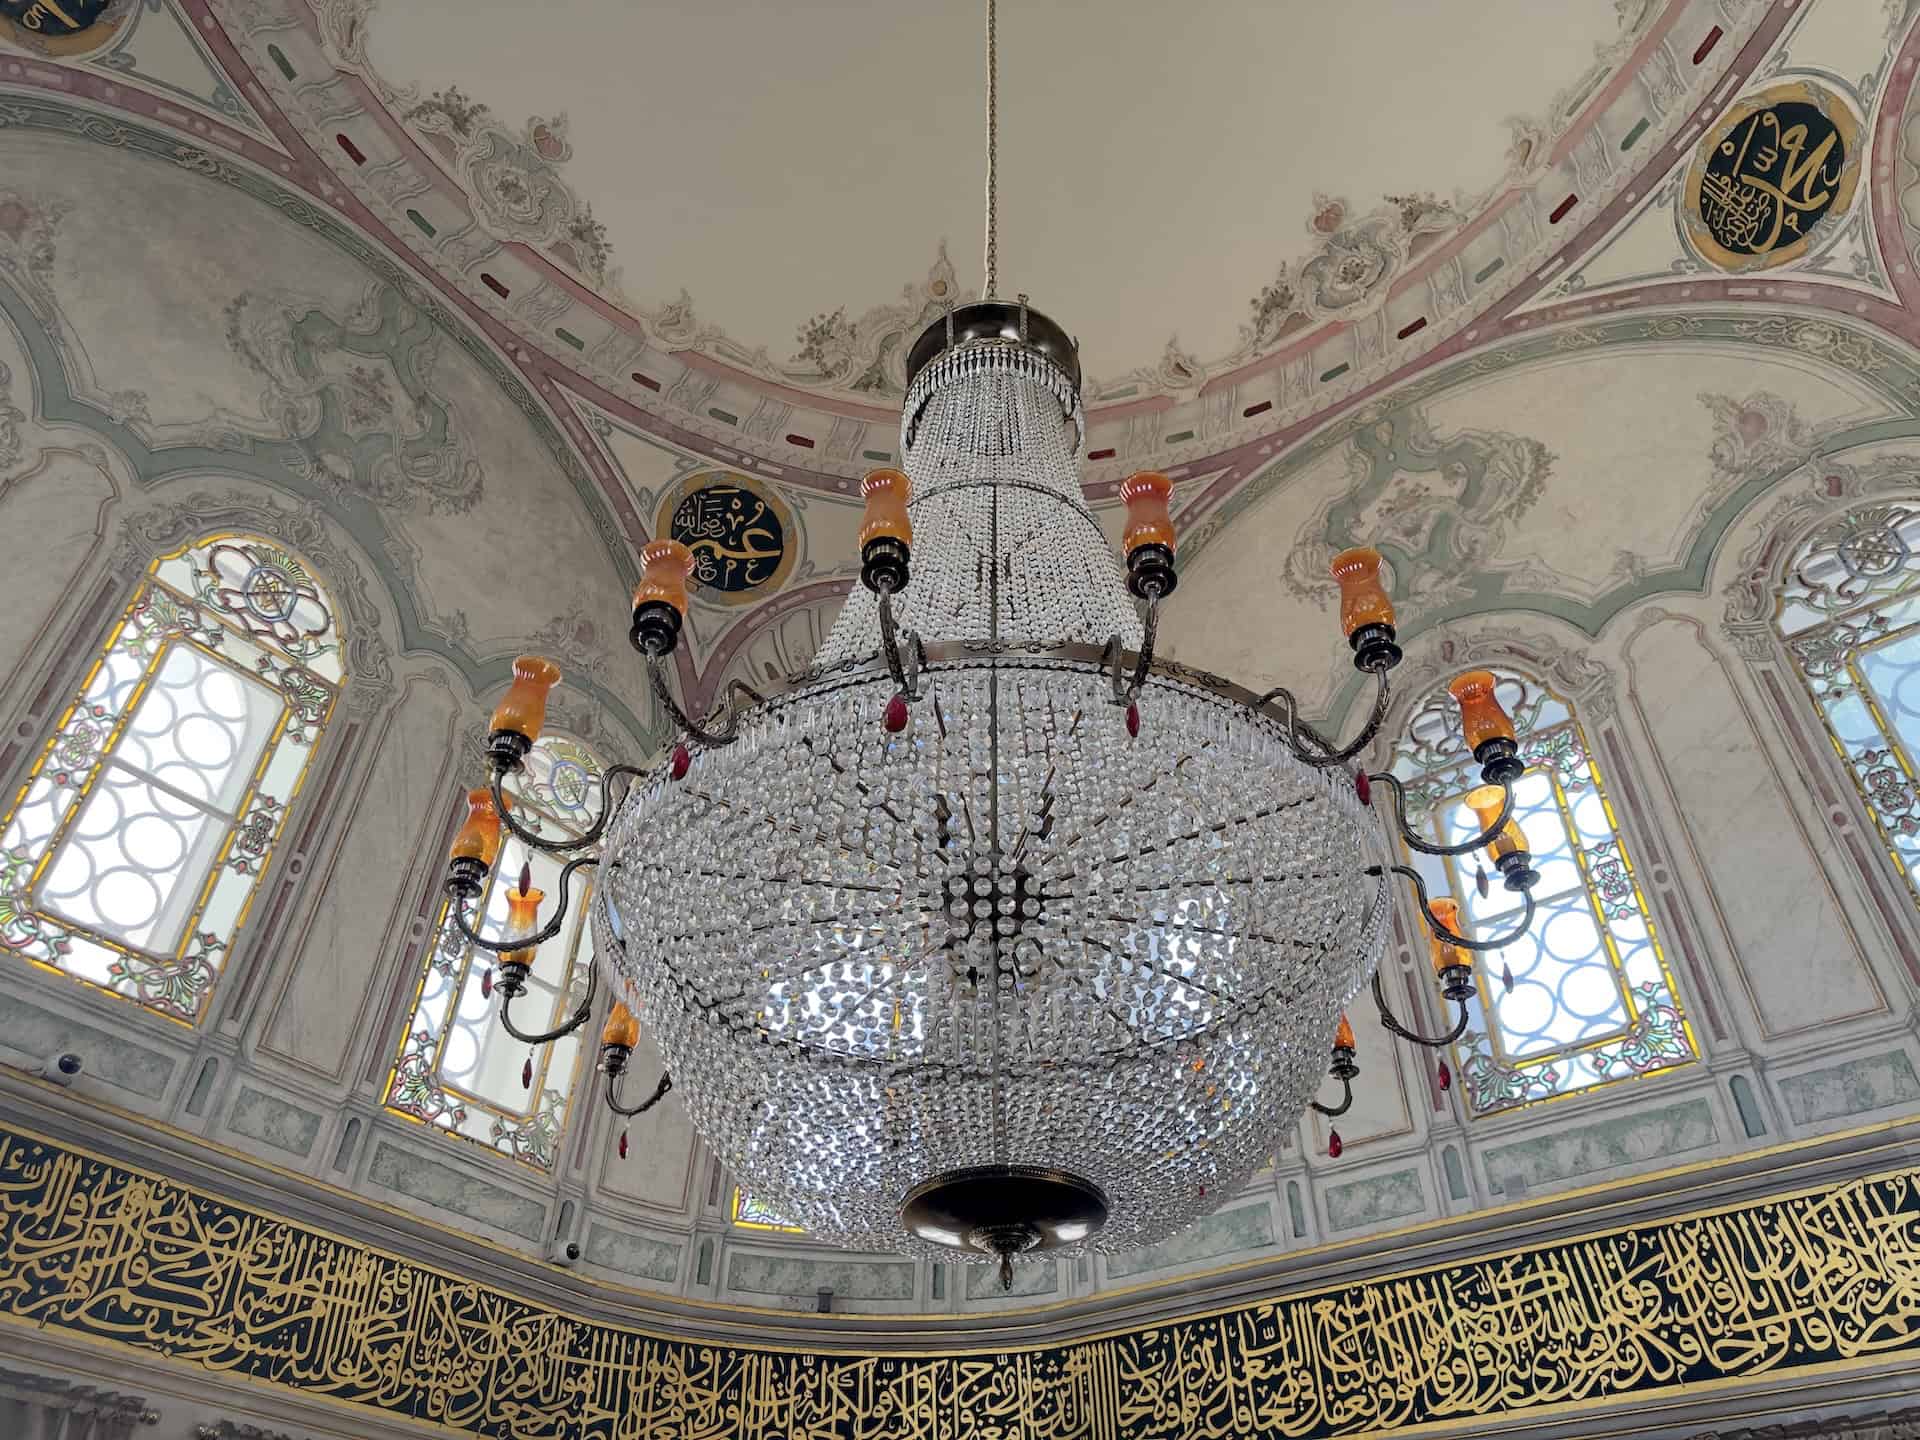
[1585,997]
[458,1069]
[132,853]
[1848,614]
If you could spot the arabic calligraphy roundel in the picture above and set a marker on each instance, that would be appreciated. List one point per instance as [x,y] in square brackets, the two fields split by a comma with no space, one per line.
[61,27]
[741,535]
[1776,174]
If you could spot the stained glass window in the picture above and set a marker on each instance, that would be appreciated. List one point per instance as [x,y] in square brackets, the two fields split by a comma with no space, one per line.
[458,1069]
[1591,998]
[1849,615]
[131,854]
[755,1214]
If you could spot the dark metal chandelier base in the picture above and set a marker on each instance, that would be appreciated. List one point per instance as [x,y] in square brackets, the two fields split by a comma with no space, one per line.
[1004,1210]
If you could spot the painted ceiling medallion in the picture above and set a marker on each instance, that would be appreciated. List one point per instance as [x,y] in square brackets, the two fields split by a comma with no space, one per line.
[61,27]
[741,534]
[1773,177]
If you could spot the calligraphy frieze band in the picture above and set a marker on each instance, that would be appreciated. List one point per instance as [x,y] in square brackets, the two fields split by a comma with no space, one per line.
[1794,1285]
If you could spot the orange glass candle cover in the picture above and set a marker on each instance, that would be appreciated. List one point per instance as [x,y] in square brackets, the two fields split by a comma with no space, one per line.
[1363,599]
[886,492]
[523,919]
[523,709]
[1444,955]
[479,837]
[1481,718]
[1343,1034]
[622,1028]
[1485,802]
[1148,522]
[664,568]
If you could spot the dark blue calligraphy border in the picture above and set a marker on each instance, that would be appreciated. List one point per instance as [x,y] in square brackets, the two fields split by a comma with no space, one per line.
[1799,1284]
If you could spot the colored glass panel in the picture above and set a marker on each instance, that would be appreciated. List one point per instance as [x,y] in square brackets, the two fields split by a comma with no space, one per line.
[134,849]
[757,1215]
[458,1068]
[1592,999]
[1849,614]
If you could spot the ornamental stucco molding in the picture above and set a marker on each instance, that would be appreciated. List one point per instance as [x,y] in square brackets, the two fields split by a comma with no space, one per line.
[1446,284]
[70,1409]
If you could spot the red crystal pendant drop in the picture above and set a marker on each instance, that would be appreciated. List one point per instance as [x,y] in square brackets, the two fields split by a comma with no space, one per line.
[623,1144]
[526,876]
[486,985]
[1446,1076]
[896,717]
[1334,1147]
[1363,787]
[682,762]
[1506,977]
[1133,720]
[526,1074]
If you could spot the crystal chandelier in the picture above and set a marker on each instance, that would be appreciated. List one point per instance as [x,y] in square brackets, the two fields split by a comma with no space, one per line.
[990,933]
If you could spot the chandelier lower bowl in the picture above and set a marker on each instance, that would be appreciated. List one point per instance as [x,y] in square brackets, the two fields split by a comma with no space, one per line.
[1011,939]
[996,1210]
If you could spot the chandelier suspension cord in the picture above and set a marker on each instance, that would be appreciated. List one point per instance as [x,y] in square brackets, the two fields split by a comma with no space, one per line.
[993,146]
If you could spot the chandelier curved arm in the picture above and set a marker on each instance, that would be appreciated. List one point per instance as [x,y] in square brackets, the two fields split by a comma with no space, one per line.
[730,710]
[1432,1042]
[591,835]
[1126,690]
[904,669]
[1414,842]
[1439,928]
[526,942]
[1294,728]
[1346,1100]
[565,1027]
[613,1094]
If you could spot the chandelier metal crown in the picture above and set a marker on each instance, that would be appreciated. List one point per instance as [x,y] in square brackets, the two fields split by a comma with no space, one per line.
[989,933]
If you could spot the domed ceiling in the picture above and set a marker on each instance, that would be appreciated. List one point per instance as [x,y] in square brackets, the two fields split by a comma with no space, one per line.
[784,164]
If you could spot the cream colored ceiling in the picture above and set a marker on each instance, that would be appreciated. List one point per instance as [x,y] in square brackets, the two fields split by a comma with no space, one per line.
[1158,160]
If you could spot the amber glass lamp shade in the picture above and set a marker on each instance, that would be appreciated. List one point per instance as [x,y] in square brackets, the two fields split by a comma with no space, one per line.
[622,1027]
[1486,802]
[1481,718]
[523,919]
[1444,955]
[885,493]
[1148,522]
[1363,599]
[1343,1034]
[479,837]
[523,709]
[664,568]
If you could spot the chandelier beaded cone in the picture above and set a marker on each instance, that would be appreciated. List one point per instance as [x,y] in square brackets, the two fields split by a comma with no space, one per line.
[1012,970]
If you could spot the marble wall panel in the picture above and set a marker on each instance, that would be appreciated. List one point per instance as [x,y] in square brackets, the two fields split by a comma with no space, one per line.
[1758,863]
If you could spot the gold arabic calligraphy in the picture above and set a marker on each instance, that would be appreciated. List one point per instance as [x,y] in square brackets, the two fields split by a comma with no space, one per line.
[1782,1284]
[736,539]
[1770,173]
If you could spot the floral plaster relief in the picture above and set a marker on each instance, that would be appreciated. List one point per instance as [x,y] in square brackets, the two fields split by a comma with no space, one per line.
[142,309]
[1704,422]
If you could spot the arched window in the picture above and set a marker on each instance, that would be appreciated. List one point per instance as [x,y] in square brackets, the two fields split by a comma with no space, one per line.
[130,857]
[458,1068]
[1591,999]
[754,1214]
[1849,615]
